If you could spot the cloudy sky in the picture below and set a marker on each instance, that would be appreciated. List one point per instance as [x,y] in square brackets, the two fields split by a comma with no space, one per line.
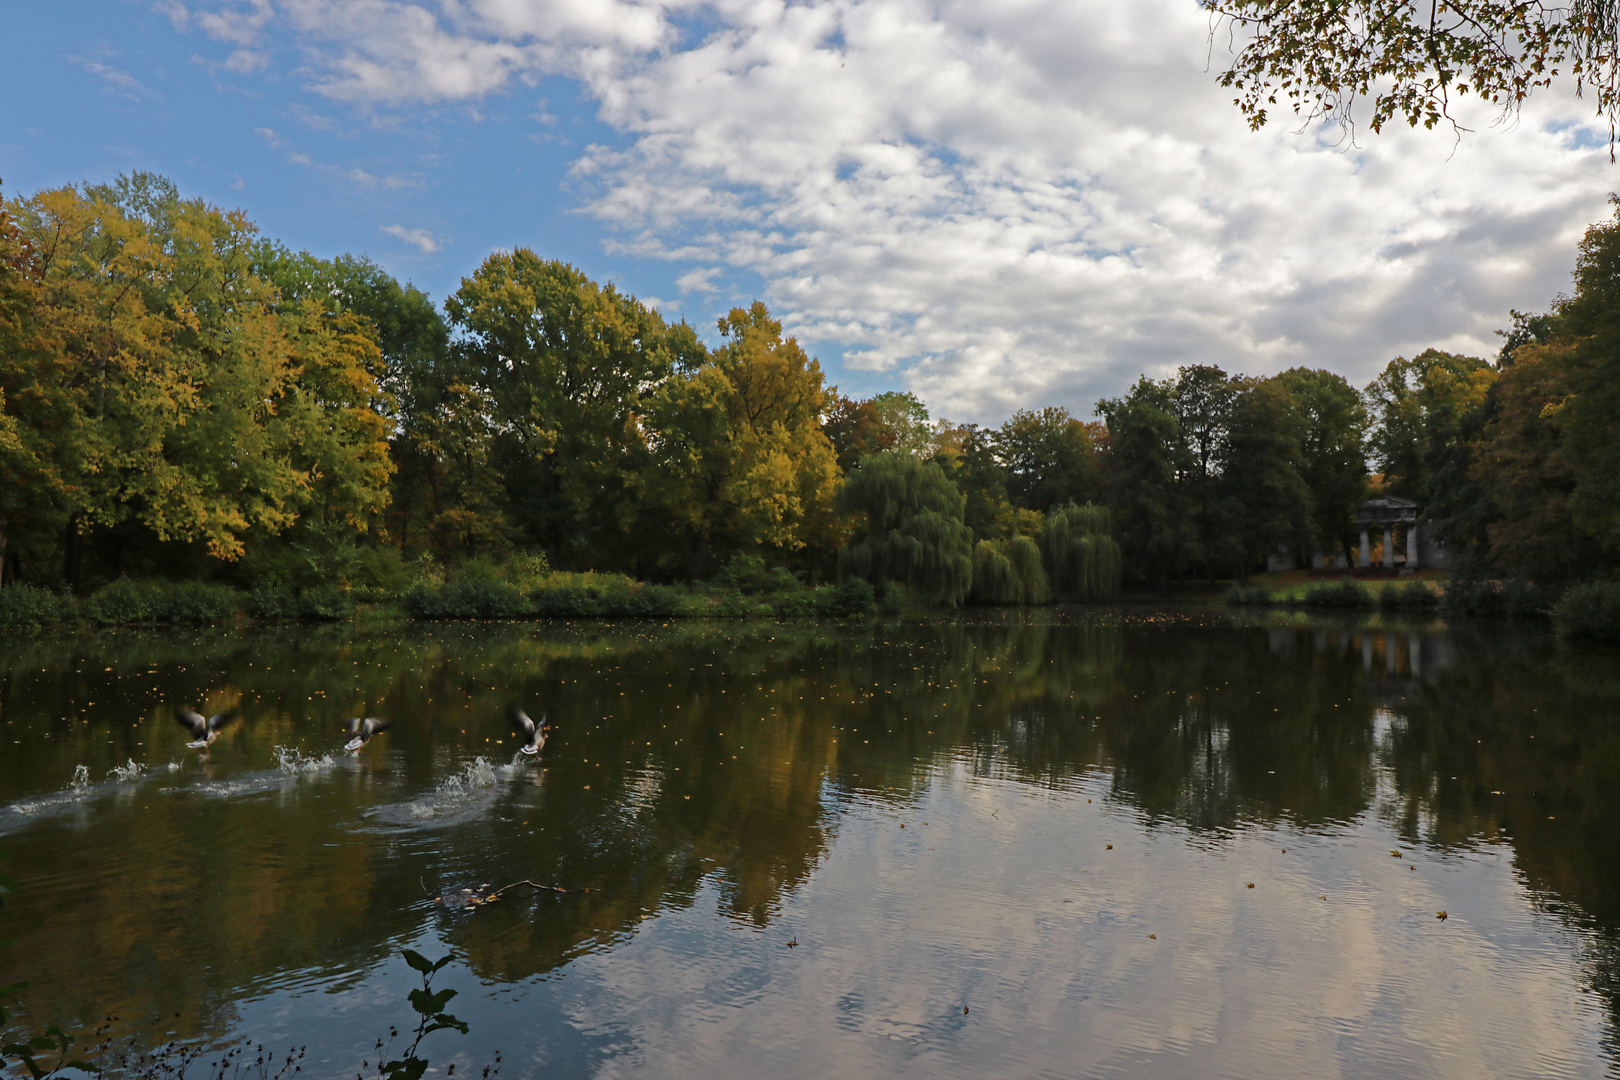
[996,204]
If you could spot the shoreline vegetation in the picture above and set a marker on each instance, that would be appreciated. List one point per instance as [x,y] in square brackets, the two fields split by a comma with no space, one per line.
[198,424]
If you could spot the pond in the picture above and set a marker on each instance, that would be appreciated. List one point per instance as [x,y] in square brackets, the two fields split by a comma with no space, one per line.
[1059,843]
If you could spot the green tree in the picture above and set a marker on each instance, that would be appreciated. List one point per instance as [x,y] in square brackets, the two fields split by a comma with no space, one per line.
[1147,456]
[912,530]
[1050,459]
[1009,572]
[1333,420]
[968,455]
[1202,396]
[568,365]
[1264,496]
[1082,556]
[1590,321]
[1523,467]
[1414,404]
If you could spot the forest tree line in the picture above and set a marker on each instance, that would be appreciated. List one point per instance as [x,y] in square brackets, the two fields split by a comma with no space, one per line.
[185,398]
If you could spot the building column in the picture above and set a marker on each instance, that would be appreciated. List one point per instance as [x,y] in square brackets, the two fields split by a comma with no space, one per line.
[1366,549]
[1411,547]
[1389,547]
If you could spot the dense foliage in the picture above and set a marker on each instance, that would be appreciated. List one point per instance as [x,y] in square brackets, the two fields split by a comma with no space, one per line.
[182,398]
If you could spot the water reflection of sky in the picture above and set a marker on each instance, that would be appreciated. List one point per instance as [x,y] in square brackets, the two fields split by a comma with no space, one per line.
[726,791]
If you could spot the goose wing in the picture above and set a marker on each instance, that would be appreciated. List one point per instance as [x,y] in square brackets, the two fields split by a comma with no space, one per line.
[372,726]
[192,722]
[520,721]
[219,720]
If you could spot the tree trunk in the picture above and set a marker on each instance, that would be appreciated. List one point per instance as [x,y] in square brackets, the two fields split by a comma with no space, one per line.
[5,542]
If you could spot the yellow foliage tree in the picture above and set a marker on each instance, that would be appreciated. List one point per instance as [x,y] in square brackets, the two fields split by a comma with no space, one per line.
[200,407]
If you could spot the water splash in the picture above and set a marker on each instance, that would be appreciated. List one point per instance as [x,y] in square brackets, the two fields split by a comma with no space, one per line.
[292,761]
[473,784]
[131,770]
[79,786]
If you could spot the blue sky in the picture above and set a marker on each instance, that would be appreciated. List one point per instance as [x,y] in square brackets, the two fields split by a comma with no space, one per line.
[996,205]
[111,87]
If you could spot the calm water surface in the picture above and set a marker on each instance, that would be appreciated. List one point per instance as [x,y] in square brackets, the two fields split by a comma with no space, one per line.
[1058,844]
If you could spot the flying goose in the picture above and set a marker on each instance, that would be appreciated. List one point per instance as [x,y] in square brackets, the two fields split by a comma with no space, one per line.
[203,732]
[533,734]
[360,731]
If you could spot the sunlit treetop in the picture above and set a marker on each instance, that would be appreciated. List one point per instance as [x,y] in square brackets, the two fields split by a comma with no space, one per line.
[1414,61]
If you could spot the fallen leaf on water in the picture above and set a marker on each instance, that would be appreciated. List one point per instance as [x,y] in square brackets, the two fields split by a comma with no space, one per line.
[1440,915]
[1154,937]
[1250,885]
[1396,854]
[794,943]
[964,1010]
[1110,847]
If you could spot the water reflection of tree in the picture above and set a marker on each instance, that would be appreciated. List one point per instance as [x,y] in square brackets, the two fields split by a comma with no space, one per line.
[717,756]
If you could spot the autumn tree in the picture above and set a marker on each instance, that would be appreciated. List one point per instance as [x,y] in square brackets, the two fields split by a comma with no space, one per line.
[201,410]
[740,461]
[856,428]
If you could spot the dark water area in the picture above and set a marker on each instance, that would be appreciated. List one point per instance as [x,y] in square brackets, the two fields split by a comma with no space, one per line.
[1061,843]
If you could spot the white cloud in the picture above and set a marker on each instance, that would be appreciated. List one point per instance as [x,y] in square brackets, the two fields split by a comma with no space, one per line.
[355,174]
[418,238]
[246,62]
[698,280]
[239,22]
[116,80]
[1003,204]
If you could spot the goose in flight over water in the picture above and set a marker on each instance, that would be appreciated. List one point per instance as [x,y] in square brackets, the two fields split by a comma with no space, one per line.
[203,732]
[360,731]
[534,734]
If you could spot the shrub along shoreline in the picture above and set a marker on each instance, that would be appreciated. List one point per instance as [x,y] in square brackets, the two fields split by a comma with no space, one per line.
[1589,610]
[559,595]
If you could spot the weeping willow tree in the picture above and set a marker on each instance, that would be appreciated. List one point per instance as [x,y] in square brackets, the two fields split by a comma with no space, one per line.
[913,534]
[1009,572]
[1082,557]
